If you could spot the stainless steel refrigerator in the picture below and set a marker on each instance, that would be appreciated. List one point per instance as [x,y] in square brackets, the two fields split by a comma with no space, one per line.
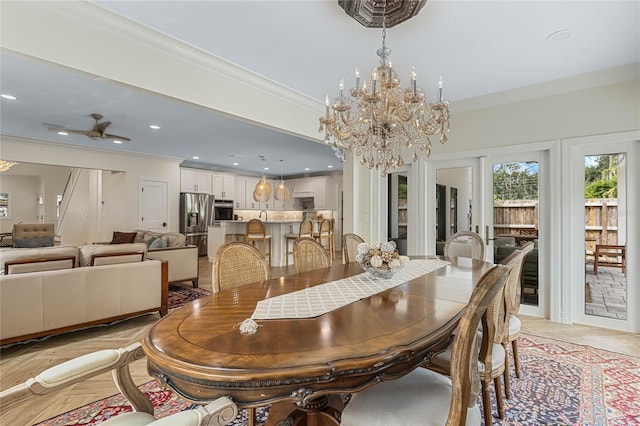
[196,214]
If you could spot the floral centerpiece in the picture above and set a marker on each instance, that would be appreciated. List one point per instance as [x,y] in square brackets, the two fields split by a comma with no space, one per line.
[379,259]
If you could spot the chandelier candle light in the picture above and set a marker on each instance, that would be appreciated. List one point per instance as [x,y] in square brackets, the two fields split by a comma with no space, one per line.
[377,123]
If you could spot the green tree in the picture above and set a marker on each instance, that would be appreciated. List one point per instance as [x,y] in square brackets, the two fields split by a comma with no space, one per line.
[514,181]
[601,177]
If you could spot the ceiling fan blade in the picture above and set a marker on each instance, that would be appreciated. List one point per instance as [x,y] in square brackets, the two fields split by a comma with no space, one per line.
[101,127]
[109,136]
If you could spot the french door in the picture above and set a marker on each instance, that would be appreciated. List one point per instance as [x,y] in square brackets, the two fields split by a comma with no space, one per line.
[473,185]
[516,211]
[598,291]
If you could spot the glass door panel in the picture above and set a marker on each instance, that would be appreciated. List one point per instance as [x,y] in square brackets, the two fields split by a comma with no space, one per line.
[605,289]
[515,219]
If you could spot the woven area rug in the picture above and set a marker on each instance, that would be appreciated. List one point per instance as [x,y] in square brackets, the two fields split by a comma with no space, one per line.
[562,384]
[179,295]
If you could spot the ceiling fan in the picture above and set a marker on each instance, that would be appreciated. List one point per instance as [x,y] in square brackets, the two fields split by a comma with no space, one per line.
[97,132]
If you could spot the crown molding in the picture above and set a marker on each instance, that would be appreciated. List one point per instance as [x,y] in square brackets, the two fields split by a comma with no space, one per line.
[38,143]
[591,80]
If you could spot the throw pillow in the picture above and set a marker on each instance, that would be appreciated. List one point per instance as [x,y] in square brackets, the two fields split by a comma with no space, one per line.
[160,242]
[150,241]
[123,237]
[33,242]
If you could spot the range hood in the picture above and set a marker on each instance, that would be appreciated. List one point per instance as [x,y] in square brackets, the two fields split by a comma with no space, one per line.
[303,190]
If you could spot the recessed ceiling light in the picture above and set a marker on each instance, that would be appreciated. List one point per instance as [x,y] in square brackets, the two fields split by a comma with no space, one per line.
[63,133]
[307,169]
[559,35]
[154,127]
[7,96]
[266,168]
[235,164]
[330,166]
[117,142]
[195,157]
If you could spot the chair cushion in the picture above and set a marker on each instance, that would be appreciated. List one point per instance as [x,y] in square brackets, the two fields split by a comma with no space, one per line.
[33,242]
[130,419]
[514,325]
[443,360]
[420,398]
[258,236]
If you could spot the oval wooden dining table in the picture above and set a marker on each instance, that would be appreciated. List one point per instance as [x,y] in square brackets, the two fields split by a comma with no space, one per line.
[302,366]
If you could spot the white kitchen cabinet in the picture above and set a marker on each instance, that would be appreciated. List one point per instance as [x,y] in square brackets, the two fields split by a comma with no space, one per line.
[250,203]
[239,197]
[194,180]
[223,185]
[320,193]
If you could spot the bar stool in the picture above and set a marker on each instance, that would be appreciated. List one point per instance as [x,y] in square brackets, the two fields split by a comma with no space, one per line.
[325,236]
[256,231]
[306,230]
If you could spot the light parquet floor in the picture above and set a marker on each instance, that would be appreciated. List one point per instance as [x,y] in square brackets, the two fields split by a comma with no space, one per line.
[20,362]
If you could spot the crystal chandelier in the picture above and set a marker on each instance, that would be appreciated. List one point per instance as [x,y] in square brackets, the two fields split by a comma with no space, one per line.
[6,165]
[375,123]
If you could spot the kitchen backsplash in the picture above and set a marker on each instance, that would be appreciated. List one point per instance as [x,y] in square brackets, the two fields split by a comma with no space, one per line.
[285,215]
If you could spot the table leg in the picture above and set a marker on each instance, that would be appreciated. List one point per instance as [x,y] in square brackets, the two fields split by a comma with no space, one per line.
[323,411]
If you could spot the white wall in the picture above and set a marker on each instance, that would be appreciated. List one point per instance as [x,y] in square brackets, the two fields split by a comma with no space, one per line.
[121,204]
[23,192]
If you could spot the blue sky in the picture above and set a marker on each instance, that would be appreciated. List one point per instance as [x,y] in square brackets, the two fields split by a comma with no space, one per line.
[533,167]
[591,160]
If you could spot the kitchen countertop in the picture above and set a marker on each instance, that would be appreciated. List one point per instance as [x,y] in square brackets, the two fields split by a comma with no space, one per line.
[275,222]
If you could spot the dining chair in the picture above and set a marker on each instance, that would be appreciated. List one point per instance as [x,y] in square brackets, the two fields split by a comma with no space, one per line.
[308,254]
[350,246]
[237,264]
[306,230]
[514,262]
[491,356]
[218,412]
[255,231]
[324,236]
[419,397]
[515,325]
[464,244]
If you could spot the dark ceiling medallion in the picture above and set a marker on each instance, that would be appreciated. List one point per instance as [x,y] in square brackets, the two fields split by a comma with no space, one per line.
[369,12]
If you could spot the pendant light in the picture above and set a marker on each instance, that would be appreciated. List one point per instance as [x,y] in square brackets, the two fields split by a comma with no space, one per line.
[262,192]
[282,192]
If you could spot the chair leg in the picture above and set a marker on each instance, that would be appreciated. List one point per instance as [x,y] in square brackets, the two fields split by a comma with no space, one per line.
[251,416]
[506,374]
[486,403]
[516,357]
[499,401]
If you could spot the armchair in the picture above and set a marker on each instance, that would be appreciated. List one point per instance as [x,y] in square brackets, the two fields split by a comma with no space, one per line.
[217,413]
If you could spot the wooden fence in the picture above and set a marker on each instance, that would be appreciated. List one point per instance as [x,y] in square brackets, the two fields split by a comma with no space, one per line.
[520,217]
[515,217]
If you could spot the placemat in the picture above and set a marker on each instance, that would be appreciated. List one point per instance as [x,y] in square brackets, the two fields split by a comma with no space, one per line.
[318,300]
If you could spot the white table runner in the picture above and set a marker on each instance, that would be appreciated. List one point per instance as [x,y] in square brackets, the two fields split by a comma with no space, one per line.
[318,300]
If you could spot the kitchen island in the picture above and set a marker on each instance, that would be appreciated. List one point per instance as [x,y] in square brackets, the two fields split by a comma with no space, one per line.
[218,235]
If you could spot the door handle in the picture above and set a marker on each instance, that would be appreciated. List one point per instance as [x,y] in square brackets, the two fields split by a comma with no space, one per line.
[486,236]
[164,224]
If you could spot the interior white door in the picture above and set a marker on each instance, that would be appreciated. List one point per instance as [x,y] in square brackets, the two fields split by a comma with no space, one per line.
[153,205]
[466,176]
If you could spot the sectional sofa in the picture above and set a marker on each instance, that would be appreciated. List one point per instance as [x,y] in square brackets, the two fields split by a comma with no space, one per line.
[51,290]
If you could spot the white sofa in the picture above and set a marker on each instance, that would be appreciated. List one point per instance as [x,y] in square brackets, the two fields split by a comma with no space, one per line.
[182,258]
[52,290]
